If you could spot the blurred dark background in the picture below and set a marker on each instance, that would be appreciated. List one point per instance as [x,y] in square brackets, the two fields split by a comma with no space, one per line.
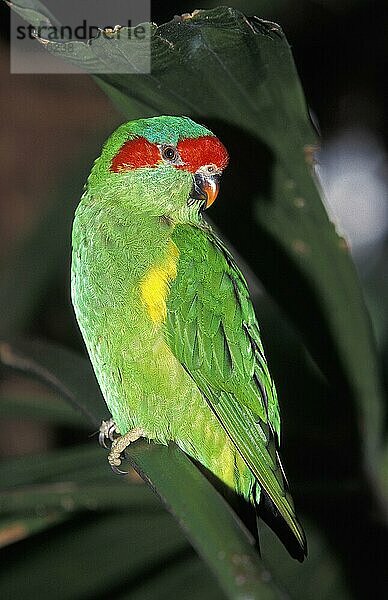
[53,125]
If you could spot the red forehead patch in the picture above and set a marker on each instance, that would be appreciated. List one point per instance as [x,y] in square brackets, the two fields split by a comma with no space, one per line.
[194,152]
[206,150]
[136,153]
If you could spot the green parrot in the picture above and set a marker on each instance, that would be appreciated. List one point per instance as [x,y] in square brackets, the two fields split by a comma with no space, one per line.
[166,314]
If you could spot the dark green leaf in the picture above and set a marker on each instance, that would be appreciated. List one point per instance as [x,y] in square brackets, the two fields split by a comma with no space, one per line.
[60,370]
[34,12]
[39,409]
[69,496]
[21,526]
[36,508]
[35,262]
[93,556]
[181,579]
[52,466]
[321,567]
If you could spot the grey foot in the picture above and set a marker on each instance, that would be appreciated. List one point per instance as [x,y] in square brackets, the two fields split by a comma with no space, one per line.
[108,431]
[119,446]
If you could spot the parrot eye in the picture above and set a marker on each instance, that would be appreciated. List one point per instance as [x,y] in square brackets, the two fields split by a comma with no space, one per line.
[170,153]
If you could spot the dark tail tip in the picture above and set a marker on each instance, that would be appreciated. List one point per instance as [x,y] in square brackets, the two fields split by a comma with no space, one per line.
[271,516]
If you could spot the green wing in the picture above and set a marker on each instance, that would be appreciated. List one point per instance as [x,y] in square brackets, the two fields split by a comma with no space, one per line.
[213,331]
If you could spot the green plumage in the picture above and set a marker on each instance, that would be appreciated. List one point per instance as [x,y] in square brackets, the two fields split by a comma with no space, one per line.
[190,369]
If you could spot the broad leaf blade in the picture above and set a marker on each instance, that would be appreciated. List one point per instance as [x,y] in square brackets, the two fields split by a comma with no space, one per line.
[34,264]
[64,465]
[321,567]
[34,12]
[41,409]
[20,527]
[94,556]
[60,370]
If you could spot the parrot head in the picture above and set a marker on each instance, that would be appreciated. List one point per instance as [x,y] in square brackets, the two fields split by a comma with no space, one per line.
[166,166]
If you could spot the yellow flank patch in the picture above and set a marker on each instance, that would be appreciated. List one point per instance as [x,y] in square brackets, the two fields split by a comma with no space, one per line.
[155,284]
[229,466]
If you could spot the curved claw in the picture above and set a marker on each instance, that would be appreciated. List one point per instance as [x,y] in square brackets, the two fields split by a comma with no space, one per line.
[118,471]
[108,431]
[112,431]
[102,440]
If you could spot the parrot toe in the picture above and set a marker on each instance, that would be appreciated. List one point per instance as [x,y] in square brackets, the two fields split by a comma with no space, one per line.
[119,446]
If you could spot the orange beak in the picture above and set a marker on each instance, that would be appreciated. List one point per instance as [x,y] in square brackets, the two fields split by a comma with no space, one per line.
[211,188]
[205,188]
